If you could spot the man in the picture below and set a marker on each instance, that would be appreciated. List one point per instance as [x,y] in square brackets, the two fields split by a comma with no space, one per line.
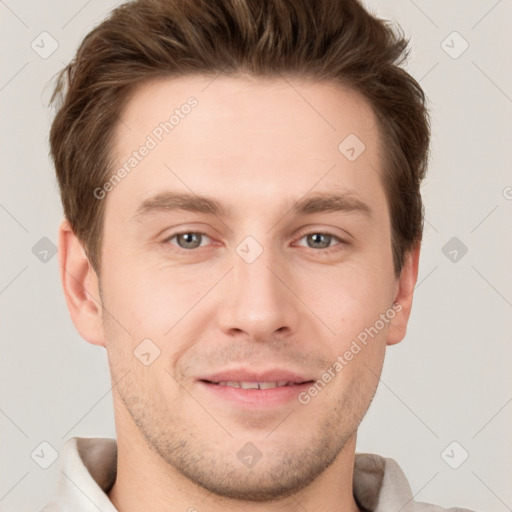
[240,181]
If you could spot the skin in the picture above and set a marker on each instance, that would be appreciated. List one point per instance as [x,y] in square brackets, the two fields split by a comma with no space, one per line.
[256,146]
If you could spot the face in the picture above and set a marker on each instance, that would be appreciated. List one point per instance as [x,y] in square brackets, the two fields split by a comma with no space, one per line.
[276,263]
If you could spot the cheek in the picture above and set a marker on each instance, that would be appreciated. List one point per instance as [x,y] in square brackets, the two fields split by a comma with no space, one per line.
[168,306]
[349,299]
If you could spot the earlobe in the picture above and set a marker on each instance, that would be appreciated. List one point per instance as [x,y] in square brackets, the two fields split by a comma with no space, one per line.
[403,300]
[81,287]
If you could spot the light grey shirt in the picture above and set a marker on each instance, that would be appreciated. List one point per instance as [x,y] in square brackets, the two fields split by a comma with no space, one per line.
[88,470]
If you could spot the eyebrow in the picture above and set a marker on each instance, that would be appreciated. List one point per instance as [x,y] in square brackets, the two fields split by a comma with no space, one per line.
[318,203]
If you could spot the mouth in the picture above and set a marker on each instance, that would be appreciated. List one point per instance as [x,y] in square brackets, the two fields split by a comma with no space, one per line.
[256,385]
[250,392]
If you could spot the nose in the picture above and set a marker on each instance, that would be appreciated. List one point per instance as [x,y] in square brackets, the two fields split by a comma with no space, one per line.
[258,299]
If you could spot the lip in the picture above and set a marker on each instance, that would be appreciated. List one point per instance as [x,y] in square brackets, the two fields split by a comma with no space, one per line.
[246,375]
[252,399]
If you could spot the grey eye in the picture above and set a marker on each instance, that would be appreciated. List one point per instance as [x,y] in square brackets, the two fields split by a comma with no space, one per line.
[319,240]
[189,240]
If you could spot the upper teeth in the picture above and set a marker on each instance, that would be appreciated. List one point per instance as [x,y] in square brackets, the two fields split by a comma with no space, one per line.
[254,385]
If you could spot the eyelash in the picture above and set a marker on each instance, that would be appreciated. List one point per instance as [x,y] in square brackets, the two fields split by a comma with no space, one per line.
[326,250]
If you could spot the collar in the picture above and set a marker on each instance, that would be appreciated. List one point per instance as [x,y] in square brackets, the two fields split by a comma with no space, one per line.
[88,469]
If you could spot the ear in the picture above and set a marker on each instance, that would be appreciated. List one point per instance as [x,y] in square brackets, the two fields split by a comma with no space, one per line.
[81,286]
[403,297]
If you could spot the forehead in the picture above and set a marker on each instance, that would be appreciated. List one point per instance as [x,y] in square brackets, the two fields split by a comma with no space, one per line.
[261,137]
[249,107]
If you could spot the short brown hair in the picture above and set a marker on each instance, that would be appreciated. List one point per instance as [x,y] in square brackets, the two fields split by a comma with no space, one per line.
[325,40]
